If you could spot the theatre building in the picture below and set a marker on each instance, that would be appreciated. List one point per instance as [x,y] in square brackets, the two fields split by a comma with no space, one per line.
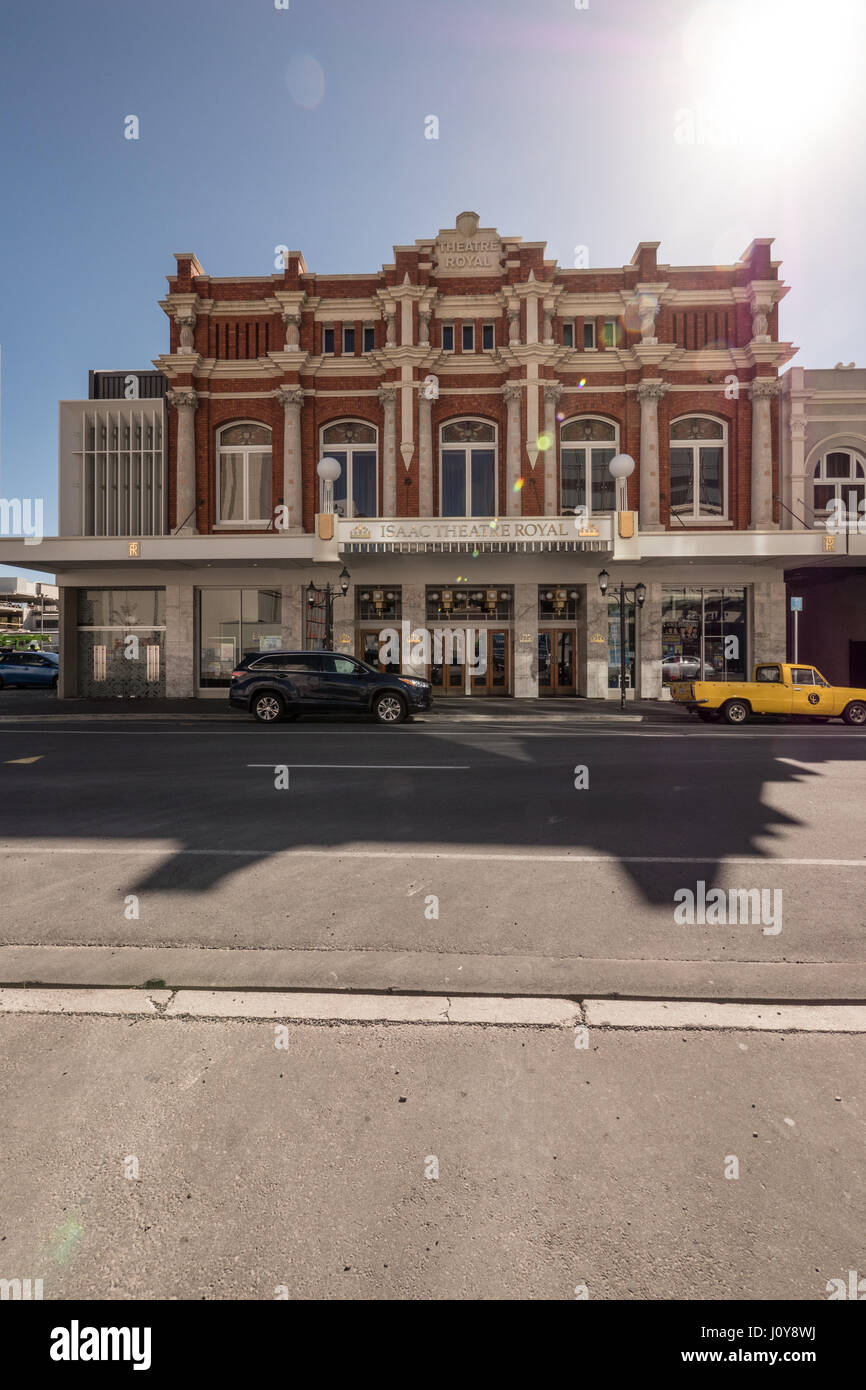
[472,394]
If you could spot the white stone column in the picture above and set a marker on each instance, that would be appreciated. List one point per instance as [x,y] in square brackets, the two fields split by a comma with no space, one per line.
[291,398]
[762,391]
[552,393]
[181,657]
[512,393]
[388,400]
[425,453]
[797,500]
[294,604]
[649,643]
[525,654]
[184,401]
[649,393]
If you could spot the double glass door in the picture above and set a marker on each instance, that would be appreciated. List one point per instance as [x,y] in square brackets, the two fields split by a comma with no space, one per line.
[556,662]
[486,664]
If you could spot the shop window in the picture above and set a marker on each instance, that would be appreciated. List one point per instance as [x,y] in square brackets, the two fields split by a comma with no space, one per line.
[244,485]
[120,643]
[703,634]
[354,445]
[839,477]
[698,468]
[587,446]
[232,622]
[467,472]
[462,606]
[557,603]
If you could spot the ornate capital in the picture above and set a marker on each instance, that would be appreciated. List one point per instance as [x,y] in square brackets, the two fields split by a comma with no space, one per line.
[652,390]
[552,392]
[388,395]
[763,388]
[512,393]
[798,429]
[291,397]
[183,399]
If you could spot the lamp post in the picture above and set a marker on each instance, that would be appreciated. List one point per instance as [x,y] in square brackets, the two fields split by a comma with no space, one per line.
[330,593]
[635,595]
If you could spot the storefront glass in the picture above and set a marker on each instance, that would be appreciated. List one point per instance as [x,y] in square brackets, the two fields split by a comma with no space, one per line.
[703,634]
[120,643]
[614,665]
[232,622]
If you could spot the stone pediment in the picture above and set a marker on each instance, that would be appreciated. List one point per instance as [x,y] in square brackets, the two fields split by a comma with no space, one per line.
[467,249]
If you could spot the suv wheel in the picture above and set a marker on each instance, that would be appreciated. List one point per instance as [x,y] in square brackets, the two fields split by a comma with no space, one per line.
[389,708]
[736,712]
[855,713]
[268,707]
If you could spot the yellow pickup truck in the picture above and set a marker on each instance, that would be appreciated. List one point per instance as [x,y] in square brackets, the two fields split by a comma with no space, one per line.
[778,688]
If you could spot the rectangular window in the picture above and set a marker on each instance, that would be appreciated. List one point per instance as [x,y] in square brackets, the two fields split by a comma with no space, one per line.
[610,334]
[468,337]
[704,634]
[349,342]
[488,337]
[483,482]
[327,340]
[588,333]
[369,338]
[232,622]
[364,484]
[448,337]
[568,335]
[453,482]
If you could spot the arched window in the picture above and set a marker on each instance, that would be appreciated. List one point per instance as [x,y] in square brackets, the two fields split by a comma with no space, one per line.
[467,468]
[244,484]
[353,443]
[699,468]
[836,476]
[587,446]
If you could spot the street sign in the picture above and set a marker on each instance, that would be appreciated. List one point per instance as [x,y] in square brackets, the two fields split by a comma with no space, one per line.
[796,605]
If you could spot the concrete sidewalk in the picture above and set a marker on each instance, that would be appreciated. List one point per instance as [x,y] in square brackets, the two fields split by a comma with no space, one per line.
[23,704]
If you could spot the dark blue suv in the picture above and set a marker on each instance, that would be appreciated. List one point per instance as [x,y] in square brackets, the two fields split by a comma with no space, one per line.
[282,685]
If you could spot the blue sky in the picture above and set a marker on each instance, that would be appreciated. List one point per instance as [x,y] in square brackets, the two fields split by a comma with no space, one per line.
[697,123]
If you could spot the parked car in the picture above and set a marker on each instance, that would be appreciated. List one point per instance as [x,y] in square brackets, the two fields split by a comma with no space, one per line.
[281,685]
[29,668]
[680,668]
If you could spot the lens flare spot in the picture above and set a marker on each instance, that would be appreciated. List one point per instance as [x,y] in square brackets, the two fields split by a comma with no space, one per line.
[544,442]
[519,484]
[582,381]
[305,80]
[493,524]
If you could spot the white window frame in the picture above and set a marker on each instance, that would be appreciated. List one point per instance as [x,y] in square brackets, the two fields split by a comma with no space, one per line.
[819,477]
[589,445]
[329,328]
[349,328]
[470,329]
[248,522]
[568,326]
[484,328]
[349,450]
[365,329]
[485,446]
[593,346]
[446,325]
[612,325]
[697,517]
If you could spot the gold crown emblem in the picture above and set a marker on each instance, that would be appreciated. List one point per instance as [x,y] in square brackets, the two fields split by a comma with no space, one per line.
[359,533]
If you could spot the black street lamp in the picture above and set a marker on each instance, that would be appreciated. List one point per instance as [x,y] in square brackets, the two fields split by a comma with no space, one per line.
[330,594]
[635,595]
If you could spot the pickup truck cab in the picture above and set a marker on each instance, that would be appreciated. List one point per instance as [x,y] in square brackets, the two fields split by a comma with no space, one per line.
[779,688]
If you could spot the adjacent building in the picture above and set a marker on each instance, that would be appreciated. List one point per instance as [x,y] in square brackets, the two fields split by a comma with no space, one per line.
[473,393]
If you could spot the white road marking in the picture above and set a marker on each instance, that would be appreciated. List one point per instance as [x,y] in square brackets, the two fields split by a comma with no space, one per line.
[472,857]
[681,1013]
[376,767]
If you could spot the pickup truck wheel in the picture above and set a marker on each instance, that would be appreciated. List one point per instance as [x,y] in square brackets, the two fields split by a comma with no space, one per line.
[855,713]
[735,712]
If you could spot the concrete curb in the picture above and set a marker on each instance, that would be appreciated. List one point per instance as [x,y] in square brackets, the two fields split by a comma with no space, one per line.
[261,1006]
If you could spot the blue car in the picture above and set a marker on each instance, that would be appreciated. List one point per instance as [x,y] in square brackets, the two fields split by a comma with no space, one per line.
[29,668]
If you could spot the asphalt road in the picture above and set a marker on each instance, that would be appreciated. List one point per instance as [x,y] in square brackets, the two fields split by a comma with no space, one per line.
[172,1159]
[433,856]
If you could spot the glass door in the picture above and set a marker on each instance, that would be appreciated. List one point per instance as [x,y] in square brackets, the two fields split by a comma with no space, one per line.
[447,674]
[490,674]
[556,662]
[614,664]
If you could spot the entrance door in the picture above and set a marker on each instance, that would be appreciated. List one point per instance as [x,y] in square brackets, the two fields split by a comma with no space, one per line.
[371,646]
[556,662]
[448,674]
[490,674]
